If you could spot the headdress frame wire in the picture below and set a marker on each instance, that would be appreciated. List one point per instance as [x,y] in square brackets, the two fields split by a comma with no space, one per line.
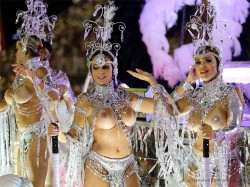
[202,27]
[103,27]
[35,22]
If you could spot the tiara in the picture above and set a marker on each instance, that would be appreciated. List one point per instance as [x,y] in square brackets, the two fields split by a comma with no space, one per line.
[35,22]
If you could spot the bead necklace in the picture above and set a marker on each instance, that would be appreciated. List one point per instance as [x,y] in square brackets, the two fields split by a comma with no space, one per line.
[28,111]
[107,97]
[205,98]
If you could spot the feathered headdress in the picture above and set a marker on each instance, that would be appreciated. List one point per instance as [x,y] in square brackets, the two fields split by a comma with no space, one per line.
[103,28]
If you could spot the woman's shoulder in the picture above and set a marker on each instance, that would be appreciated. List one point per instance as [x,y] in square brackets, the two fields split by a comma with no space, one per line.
[230,88]
[239,93]
[82,98]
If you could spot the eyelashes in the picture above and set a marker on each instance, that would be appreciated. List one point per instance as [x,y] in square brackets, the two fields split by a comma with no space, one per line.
[209,60]
[206,61]
[197,62]
[105,67]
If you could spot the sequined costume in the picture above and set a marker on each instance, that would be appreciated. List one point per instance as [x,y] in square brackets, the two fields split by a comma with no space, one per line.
[113,170]
[7,135]
[208,97]
[26,135]
[176,162]
[57,79]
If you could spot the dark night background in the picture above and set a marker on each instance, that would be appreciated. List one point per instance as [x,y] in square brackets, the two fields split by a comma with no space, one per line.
[133,52]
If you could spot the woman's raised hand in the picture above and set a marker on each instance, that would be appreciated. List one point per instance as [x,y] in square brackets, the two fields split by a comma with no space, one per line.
[143,75]
[22,70]
[192,75]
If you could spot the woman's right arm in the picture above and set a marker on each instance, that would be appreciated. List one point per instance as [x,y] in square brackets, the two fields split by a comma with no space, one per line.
[79,122]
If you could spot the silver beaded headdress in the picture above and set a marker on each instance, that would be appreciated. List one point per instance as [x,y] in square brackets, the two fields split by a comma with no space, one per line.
[103,27]
[201,27]
[35,23]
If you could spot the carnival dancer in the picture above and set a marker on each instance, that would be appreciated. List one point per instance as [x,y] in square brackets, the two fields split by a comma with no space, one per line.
[101,153]
[64,110]
[28,114]
[214,113]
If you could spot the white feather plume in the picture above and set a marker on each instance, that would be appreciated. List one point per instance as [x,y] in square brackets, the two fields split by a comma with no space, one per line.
[159,15]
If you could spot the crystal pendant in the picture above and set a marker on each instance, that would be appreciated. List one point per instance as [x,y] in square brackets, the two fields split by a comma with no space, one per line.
[101,59]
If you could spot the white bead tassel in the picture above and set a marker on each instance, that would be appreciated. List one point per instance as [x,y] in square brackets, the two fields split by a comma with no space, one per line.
[5,141]
[55,158]
[206,163]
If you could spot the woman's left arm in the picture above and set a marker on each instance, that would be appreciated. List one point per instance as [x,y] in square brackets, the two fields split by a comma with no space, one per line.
[240,95]
[142,104]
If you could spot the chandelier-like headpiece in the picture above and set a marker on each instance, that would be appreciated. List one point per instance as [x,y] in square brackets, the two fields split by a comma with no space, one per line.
[103,27]
[35,22]
[201,27]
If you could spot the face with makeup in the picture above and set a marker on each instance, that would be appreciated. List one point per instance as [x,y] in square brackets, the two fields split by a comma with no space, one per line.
[206,65]
[101,72]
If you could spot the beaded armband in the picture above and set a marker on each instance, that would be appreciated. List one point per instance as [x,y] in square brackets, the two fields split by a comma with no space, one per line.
[156,88]
[175,96]
[138,104]
[77,128]
[186,86]
[82,111]
[67,94]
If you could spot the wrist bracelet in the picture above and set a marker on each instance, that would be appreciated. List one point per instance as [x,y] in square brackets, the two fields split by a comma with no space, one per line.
[187,86]
[156,88]
[175,96]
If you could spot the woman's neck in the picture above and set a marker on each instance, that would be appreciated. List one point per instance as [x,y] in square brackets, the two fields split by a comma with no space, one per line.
[104,88]
[214,84]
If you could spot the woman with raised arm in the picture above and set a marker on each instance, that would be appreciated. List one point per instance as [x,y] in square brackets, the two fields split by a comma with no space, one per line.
[103,119]
[28,97]
[101,151]
[215,112]
[28,114]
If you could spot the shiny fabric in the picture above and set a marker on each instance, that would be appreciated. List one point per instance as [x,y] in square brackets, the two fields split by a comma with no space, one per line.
[26,136]
[113,170]
[14,181]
